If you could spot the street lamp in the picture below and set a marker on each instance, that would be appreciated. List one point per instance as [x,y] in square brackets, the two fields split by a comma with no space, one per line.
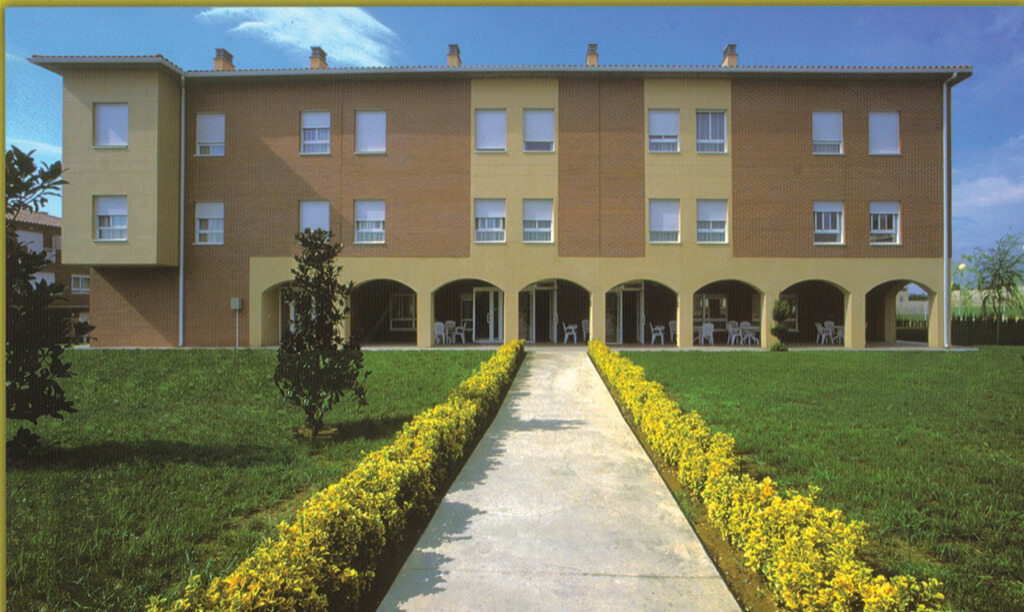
[960,295]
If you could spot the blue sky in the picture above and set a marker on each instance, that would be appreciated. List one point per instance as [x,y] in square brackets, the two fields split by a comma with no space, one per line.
[988,124]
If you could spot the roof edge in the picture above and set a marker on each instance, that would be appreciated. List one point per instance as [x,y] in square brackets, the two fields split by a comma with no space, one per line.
[60,64]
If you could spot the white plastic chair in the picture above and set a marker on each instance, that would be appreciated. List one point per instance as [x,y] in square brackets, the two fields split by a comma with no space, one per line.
[449,332]
[459,332]
[657,331]
[585,329]
[749,333]
[568,330]
[439,336]
[830,329]
[735,335]
[823,334]
[706,331]
[672,330]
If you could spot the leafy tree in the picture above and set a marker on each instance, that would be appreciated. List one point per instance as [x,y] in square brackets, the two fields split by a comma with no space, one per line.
[36,334]
[780,312]
[315,367]
[998,275]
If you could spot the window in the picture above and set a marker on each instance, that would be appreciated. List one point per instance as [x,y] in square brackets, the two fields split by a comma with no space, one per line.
[316,133]
[490,221]
[111,217]
[209,223]
[402,311]
[828,223]
[885,223]
[490,130]
[33,241]
[537,215]
[38,277]
[664,220]
[827,133]
[711,131]
[663,131]
[369,222]
[79,284]
[111,127]
[712,217]
[371,131]
[538,130]
[314,214]
[209,134]
[884,133]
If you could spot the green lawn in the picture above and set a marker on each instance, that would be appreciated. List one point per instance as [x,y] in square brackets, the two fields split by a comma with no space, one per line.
[927,447]
[182,461]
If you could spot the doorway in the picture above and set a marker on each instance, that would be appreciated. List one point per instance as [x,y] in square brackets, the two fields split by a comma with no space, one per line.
[487,314]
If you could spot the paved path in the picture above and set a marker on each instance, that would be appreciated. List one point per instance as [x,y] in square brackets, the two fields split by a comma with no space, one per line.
[558,508]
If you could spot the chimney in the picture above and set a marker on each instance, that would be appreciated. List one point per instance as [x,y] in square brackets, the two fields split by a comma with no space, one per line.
[318,59]
[592,54]
[223,61]
[454,59]
[729,57]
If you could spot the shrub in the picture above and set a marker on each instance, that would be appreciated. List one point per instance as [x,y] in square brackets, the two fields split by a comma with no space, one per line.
[811,557]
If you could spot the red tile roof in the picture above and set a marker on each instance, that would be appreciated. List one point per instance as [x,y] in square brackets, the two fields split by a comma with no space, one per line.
[38,218]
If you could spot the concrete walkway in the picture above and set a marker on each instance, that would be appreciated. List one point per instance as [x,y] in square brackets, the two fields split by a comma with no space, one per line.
[558,508]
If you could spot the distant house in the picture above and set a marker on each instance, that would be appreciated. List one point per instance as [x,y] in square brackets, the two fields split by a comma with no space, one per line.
[42,233]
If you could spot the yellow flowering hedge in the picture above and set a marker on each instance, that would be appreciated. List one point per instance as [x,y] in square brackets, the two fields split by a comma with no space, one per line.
[327,557]
[809,556]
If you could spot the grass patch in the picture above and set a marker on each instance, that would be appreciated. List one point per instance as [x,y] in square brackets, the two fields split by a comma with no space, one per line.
[924,446]
[180,462]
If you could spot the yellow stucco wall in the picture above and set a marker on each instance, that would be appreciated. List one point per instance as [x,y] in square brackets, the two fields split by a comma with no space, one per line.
[146,170]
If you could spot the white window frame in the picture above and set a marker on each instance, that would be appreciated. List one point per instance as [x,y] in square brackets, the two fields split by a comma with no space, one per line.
[210,134]
[313,210]
[885,223]
[402,304]
[488,226]
[79,284]
[828,221]
[879,125]
[538,221]
[371,132]
[711,225]
[484,121]
[113,225]
[538,130]
[106,136]
[661,209]
[370,216]
[663,130]
[314,136]
[710,144]
[823,133]
[209,223]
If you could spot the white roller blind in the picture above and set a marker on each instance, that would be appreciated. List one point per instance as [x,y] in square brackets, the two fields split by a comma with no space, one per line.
[828,207]
[316,120]
[490,130]
[490,208]
[664,215]
[827,126]
[663,122]
[369,210]
[111,205]
[371,131]
[711,210]
[537,210]
[210,210]
[314,215]
[111,125]
[539,125]
[884,133]
[210,128]
[885,208]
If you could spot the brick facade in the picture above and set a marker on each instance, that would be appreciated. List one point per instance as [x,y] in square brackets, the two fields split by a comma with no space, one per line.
[135,306]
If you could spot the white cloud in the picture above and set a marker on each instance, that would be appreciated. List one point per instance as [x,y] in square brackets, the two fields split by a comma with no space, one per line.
[45,152]
[990,191]
[350,36]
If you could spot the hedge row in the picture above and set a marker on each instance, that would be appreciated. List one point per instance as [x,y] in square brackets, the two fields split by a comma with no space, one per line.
[809,556]
[326,559]
[972,332]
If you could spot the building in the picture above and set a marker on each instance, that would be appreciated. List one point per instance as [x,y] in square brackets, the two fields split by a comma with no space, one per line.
[514,200]
[40,232]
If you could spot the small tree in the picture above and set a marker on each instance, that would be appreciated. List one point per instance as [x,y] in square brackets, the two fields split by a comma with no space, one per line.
[36,334]
[315,367]
[999,273]
[781,310]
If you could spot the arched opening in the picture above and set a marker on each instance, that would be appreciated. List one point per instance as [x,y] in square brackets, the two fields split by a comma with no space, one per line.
[640,312]
[732,308]
[276,315]
[554,310]
[383,311]
[898,311]
[468,311]
[818,313]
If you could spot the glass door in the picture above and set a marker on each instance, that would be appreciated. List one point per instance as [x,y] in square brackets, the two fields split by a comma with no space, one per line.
[487,314]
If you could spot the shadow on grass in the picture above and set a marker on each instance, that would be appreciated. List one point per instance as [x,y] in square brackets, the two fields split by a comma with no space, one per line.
[90,456]
[370,428]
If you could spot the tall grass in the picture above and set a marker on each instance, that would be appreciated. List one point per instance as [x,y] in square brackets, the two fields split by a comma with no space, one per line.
[181,462]
[924,446]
